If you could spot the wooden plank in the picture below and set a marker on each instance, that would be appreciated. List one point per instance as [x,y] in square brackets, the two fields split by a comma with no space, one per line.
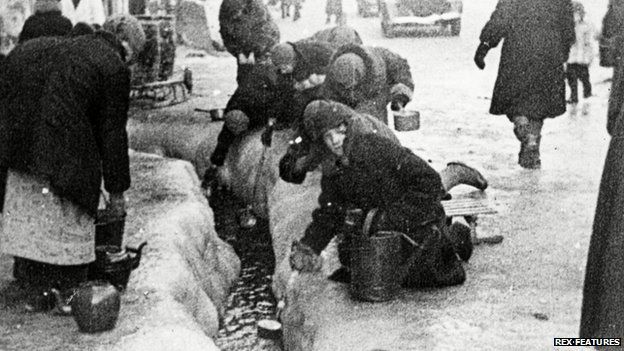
[465,207]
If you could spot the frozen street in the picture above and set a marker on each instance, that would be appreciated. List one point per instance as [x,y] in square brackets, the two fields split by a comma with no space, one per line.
[518,294]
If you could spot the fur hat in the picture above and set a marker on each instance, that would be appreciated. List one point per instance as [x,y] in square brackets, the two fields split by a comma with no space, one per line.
[42,6]
[283,54]
[347,70]
[126,28]
[323,115]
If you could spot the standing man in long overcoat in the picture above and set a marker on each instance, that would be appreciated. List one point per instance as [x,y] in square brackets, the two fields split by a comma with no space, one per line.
[530,86]
[603,293]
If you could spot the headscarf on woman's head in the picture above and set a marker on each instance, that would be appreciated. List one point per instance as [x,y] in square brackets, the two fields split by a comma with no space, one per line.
[322,115]
[348,70]
[126,28]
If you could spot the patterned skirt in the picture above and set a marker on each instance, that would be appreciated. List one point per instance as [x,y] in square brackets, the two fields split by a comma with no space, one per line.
[41,226]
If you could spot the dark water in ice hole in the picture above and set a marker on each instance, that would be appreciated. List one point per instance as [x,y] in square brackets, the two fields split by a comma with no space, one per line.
[251,297]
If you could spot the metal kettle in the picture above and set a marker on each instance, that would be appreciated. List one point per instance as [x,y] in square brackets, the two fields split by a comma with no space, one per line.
[115,264]
[94,304]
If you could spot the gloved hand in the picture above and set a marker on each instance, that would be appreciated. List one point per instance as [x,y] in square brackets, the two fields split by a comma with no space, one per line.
[267,134]
[398,102]
[116,206]
[479,57]
[303,258]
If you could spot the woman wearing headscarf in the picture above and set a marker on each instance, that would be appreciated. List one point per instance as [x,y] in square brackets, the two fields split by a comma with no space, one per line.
[367,79]
[603,298]
[371,172]
[47,21]
[530,86]
[63,114]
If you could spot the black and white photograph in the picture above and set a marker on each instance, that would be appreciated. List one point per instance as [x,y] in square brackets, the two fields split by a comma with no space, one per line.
[311,175]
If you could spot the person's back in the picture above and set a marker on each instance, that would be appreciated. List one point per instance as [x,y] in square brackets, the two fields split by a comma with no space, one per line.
[62,86]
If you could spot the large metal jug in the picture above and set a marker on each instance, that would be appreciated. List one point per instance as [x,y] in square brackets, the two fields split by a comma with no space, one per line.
[95,306]
[375,262]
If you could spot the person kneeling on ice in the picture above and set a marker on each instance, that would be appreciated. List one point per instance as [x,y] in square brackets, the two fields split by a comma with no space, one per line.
[374,173]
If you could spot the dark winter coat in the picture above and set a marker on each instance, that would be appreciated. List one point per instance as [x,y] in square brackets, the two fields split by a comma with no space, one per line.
[603,299]
[258,96]
[63,114]
[537,38]
[247,26]
[386,74]
[261,94]
[45,24]
[379,173]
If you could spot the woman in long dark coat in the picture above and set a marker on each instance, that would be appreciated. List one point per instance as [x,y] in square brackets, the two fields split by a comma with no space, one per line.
[603,293]
[530,86]
[63,115]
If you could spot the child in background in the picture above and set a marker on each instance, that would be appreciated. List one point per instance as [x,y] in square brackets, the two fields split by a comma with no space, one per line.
[581,55]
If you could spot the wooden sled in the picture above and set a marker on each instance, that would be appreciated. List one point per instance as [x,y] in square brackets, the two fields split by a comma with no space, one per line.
[470,209]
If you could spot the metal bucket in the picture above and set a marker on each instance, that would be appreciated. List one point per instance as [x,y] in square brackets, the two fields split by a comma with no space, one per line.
[406,120]
[375,264]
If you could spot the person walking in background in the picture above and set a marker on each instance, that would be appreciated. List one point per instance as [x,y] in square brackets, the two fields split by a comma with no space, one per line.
[47,21]
[603,298]
[87,11]
[63,113]
[581,55]
[334,7]
[530,85]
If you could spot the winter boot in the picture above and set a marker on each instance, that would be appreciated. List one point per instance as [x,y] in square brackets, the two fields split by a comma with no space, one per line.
[529,156]
[461,238]
[521,127]
[457,173]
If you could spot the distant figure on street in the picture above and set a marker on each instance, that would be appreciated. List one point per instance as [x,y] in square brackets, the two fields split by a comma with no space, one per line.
[47,21]
[63,114]
[603,298]
[581,55]
[367,79]
[334,7]
[371,172]
[87,11]
[530,86]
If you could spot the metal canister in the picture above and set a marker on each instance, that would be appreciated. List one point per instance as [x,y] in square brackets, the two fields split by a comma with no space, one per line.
[374,266]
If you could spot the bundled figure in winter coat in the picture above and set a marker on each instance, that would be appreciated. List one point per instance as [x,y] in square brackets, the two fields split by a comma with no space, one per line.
[367,79]
[248,31]
[368,171]
[602,308]
[275,93]
[530,86]
[47,21]
[63,114]
[581,55]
